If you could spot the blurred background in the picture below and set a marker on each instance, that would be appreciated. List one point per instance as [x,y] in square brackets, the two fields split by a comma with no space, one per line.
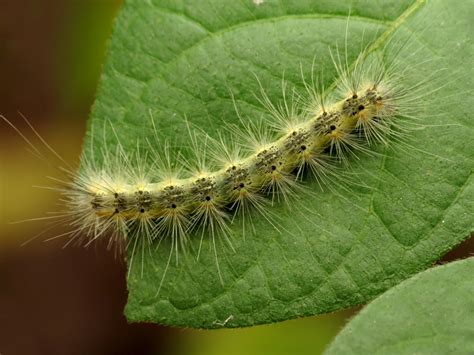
[56,300]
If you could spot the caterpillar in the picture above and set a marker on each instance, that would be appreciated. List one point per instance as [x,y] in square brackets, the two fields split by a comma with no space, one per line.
[132,201]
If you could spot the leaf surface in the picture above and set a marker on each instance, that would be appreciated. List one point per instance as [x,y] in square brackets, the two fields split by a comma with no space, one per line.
[430,313]
[183,60]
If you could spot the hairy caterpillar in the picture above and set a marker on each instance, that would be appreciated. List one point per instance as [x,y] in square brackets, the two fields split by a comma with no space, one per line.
[112,171]
[141,203]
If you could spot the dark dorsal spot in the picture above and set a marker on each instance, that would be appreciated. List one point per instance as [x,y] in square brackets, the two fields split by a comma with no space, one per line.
[208,198]
[233,167]
[273,167]
[361,107]
[332,127]
[303,147]
[354,96]
[116,210]
[116,195]
[325,113]
[96,202]
[379,98]
[241,185]
[173,206]
[140,192]
[294,133]
[142,210]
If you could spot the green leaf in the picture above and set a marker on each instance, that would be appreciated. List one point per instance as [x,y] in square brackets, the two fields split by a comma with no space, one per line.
[182,59]
[430,313]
